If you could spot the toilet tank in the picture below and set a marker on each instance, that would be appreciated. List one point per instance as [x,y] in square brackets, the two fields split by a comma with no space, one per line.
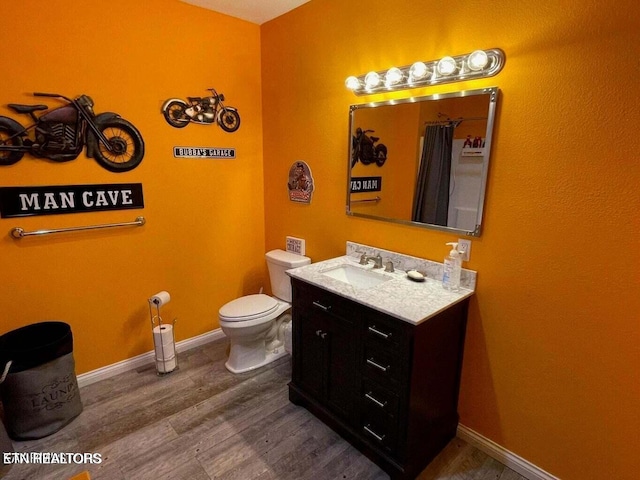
[279,262]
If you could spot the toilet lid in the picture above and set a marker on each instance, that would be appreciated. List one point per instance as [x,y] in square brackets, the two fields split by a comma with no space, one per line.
[248,307]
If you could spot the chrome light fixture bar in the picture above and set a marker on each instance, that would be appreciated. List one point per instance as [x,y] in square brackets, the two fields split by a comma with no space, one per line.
[477,64]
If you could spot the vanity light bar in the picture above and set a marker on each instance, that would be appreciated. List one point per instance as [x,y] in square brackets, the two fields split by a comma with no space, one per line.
[477,64]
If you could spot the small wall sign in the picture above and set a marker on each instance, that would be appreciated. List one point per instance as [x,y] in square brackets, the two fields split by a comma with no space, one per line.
[366,184]
[300,182]
[204,152]
[58,199]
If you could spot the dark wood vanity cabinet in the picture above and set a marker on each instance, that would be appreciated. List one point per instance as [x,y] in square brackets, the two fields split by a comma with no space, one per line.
[387,386]
[328,371]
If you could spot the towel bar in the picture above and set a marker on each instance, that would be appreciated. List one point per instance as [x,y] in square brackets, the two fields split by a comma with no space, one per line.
[18,232]
[376,199]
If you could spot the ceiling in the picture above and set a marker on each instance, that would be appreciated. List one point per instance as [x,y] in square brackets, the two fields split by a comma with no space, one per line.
[254,11]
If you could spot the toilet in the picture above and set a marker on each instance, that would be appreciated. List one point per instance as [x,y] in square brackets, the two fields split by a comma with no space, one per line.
[255,324]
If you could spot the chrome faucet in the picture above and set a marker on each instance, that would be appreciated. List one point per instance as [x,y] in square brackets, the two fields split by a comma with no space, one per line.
[377,260]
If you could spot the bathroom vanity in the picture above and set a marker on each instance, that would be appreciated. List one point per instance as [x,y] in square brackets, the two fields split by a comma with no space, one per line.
[379,360]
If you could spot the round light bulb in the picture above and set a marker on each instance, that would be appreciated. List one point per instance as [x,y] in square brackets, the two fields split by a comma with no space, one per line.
[477,60]
[393,76]
[371,80]
[446,66]
[352,83]
[418,70]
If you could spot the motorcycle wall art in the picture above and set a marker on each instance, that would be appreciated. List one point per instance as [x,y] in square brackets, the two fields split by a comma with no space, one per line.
[364,148]
[61,134]
[202,110]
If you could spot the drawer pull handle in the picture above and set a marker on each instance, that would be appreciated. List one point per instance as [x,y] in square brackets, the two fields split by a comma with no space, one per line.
[321,334]
[373,329]
[321,306]
[375,400]
[377,365]
[373,434]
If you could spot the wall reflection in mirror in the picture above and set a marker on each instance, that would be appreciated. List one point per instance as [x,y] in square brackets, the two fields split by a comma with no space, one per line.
[432,171]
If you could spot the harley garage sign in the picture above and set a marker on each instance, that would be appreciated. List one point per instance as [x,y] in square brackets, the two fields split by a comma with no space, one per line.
[57,199]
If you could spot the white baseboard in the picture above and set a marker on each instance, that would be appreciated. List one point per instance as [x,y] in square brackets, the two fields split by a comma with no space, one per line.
[504,456]
[103,373]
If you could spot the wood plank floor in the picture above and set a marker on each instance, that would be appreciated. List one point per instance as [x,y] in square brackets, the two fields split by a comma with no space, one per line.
[203,423]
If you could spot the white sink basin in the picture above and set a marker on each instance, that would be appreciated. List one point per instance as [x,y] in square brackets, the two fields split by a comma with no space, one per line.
[356,277]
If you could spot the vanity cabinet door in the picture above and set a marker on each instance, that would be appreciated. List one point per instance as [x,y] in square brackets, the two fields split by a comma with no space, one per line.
[310,375]
[341,382]
[324,350]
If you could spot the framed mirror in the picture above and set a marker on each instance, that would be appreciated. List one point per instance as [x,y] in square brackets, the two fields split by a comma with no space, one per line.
[422,161]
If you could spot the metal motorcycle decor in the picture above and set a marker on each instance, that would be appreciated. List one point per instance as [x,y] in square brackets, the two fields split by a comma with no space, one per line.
[202,110]
[364,148]
[62,133]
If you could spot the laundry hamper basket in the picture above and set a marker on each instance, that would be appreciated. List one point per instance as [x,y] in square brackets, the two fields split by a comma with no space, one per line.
[5,447]
[40,391]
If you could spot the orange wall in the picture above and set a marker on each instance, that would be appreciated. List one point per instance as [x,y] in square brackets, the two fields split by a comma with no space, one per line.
[552,359]
[204,237]
[552,355]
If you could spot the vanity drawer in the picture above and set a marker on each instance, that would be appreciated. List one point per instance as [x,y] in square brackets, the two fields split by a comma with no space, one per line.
[383,330]
[309,298]
[380,430]
[378,399]
[380,365]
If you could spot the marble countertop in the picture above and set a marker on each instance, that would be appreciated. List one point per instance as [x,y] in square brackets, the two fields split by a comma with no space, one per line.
[400,297]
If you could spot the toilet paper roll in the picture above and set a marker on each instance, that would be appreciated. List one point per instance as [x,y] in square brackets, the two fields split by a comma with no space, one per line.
[166,366]
[160,298]
[165,348]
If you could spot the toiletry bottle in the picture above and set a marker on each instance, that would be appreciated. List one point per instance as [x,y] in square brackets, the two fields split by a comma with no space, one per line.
[452,268]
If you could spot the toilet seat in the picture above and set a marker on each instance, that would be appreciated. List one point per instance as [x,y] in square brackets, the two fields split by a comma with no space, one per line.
[248,307]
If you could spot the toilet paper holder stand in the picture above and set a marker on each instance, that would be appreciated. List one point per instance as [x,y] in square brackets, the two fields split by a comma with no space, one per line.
[165,355]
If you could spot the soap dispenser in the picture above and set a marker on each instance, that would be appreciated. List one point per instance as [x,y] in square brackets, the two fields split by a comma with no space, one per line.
[452,268]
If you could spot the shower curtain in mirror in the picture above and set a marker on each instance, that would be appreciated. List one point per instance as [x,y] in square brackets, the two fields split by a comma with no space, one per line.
[431,196]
